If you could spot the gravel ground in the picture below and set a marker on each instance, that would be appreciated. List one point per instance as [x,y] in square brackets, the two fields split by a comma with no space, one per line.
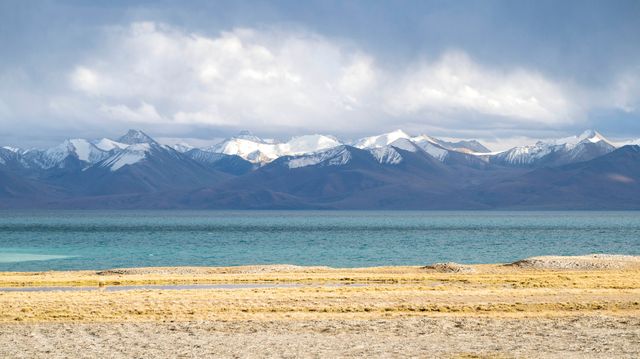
[586,262]
[563,337]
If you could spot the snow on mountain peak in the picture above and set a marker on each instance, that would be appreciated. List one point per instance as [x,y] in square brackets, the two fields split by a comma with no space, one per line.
[247,135]
[572,141]
[135,136]
[182,147]
[81,148]
[12,149]
[86,151]
[572,147]
[594,137]
[380,140]
[107,144]
[260,151]
[310,143]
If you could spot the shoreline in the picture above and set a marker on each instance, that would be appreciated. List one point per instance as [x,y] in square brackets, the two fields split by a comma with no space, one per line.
[320,275]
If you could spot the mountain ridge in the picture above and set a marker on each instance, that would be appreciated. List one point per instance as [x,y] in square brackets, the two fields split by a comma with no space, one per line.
[388,171]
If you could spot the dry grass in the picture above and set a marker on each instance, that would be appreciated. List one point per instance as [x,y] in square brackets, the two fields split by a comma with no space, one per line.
[386,292]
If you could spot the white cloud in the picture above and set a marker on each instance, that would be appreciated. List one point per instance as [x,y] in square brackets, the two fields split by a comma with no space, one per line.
[456,83]
[280,81]
[144,113]
[240,78]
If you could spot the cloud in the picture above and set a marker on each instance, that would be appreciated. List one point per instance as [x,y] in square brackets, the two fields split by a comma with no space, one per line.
[277,81]
[625,92]
[241,78]
[86,80]
[145,113]
[455,83]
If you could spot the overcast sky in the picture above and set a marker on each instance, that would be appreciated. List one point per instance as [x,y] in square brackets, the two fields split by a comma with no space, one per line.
[499,71]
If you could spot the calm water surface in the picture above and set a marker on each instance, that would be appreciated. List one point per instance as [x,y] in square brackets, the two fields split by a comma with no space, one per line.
[47,240]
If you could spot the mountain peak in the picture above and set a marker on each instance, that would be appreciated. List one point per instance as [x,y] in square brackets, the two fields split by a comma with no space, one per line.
[182,147]
[593,136]
[12,149]
[381,140]
[135,136]
[247,135]
[398,133]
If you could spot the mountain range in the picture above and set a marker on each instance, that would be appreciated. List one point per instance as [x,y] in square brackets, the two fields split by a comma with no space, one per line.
[389,171]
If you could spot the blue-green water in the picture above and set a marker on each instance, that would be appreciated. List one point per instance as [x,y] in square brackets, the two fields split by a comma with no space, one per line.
[54,240]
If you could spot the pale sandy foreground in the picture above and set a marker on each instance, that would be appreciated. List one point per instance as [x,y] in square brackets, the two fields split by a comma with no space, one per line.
[563,307]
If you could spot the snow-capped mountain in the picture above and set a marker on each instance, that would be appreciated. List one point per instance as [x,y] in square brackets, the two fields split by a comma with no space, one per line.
[342,155]
[65,155]
[257,150]
[435,147]
[590,144]
[380,140]
[392,170]
[83,153]
[8,155]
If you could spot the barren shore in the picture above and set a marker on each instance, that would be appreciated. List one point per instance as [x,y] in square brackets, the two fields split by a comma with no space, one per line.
[565,307]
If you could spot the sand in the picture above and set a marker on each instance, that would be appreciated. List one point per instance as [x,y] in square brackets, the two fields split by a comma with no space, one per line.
[538,307]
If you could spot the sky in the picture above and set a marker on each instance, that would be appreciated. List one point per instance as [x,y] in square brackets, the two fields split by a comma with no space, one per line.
[504,72]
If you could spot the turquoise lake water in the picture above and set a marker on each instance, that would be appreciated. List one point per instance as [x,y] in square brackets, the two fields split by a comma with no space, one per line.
[55,240]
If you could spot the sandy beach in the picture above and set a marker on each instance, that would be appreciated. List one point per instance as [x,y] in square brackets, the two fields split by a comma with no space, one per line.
[540,307]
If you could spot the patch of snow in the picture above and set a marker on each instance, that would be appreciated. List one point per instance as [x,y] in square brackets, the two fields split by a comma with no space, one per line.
[333,157]
[130,155]
[430,146]
[261,152]
[380,140]
[572,141]
[386,155]
[82,148]
[106,144]
[182,147]
[405,145]
[204,156]
[12,149]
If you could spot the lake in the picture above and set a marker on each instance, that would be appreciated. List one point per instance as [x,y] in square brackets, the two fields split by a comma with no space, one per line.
[61,240]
